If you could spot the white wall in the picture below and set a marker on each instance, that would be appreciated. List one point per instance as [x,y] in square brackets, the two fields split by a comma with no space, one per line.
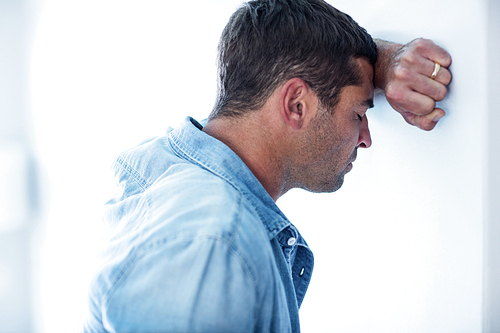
[491,290]
[398,249]
[18,183]
[106,74]
[403,246]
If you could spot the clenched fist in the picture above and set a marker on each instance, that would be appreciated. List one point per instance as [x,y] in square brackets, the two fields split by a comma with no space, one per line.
[404,73]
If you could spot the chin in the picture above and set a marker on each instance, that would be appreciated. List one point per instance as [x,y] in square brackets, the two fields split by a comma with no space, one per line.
[326,187]
[337,186]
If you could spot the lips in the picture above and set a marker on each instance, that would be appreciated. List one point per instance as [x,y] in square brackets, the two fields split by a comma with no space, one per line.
[349,165]
[354,157]
[348,168]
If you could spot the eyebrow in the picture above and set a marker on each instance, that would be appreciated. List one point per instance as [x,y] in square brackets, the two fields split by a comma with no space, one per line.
[368,103]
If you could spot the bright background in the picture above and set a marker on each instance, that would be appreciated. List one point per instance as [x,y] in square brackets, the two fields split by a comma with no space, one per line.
[404,246]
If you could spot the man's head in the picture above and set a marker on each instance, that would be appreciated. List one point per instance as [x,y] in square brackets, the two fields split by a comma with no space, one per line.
[325,146]
[295,82]
[268,42]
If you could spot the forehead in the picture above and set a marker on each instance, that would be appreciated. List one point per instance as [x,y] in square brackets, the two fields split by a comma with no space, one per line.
[364,92]
[366,71]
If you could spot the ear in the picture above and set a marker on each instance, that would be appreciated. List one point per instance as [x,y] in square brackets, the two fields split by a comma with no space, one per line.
[297,100]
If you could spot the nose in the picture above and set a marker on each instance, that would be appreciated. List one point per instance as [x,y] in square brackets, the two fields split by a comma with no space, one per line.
[364,140]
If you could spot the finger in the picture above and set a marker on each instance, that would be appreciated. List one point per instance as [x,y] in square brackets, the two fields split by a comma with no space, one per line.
[421,64]
[431,88]
[428,49]
[407,100]
[443,76]
[425,122]
[428,122]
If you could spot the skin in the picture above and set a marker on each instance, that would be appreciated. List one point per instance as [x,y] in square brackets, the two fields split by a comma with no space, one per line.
[293,141]
[330,142]
[403,73]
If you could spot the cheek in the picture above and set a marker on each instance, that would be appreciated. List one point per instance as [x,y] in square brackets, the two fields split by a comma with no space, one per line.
[350,137]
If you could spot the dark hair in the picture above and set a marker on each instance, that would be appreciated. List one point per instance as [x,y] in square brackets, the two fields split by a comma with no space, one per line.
[267,42]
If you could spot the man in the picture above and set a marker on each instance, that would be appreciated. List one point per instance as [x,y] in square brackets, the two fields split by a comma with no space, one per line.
[199,244]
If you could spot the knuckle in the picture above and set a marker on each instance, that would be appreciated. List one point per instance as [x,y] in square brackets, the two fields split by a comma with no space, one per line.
[428,105]
[430,125]
[425,124]
[393,92]
[422,106]
[403,74]
[427,127]
[421,43]
[441,93]
[409,58]
[447,77]
[446,62]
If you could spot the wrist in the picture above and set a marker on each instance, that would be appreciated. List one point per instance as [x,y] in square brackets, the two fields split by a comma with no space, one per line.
[386,54]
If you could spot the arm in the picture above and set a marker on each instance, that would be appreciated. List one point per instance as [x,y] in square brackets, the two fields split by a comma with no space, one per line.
[182,285]
[403,73]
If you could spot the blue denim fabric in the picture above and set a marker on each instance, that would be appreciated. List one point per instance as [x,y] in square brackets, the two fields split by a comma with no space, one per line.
[198,245]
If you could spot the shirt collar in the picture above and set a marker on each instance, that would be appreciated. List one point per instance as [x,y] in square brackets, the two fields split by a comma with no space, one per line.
[191,143]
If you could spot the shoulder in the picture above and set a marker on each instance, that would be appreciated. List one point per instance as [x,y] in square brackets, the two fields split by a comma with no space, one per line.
[187,204]
[188,199]
[198,236]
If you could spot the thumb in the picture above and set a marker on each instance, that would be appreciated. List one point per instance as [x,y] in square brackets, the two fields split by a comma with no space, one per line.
[426,122]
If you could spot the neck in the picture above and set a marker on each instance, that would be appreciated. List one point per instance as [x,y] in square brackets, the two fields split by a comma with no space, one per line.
[257,146]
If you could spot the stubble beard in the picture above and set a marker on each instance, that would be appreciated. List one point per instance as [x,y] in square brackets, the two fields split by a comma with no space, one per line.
[333,183]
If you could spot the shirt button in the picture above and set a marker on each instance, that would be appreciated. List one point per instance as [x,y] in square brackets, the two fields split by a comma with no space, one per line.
[291,241]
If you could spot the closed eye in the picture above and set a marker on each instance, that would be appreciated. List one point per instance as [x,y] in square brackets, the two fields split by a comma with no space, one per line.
[368,104]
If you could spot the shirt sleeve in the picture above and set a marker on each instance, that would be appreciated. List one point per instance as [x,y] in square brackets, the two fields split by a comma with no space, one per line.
[183,285]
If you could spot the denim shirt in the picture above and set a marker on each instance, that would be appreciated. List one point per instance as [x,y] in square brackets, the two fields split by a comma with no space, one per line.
[197,245]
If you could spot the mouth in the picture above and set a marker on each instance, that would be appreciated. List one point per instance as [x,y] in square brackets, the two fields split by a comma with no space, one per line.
[350,164]
[354,155]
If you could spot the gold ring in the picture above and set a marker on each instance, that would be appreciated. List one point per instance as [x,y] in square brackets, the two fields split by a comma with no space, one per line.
[437,67]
